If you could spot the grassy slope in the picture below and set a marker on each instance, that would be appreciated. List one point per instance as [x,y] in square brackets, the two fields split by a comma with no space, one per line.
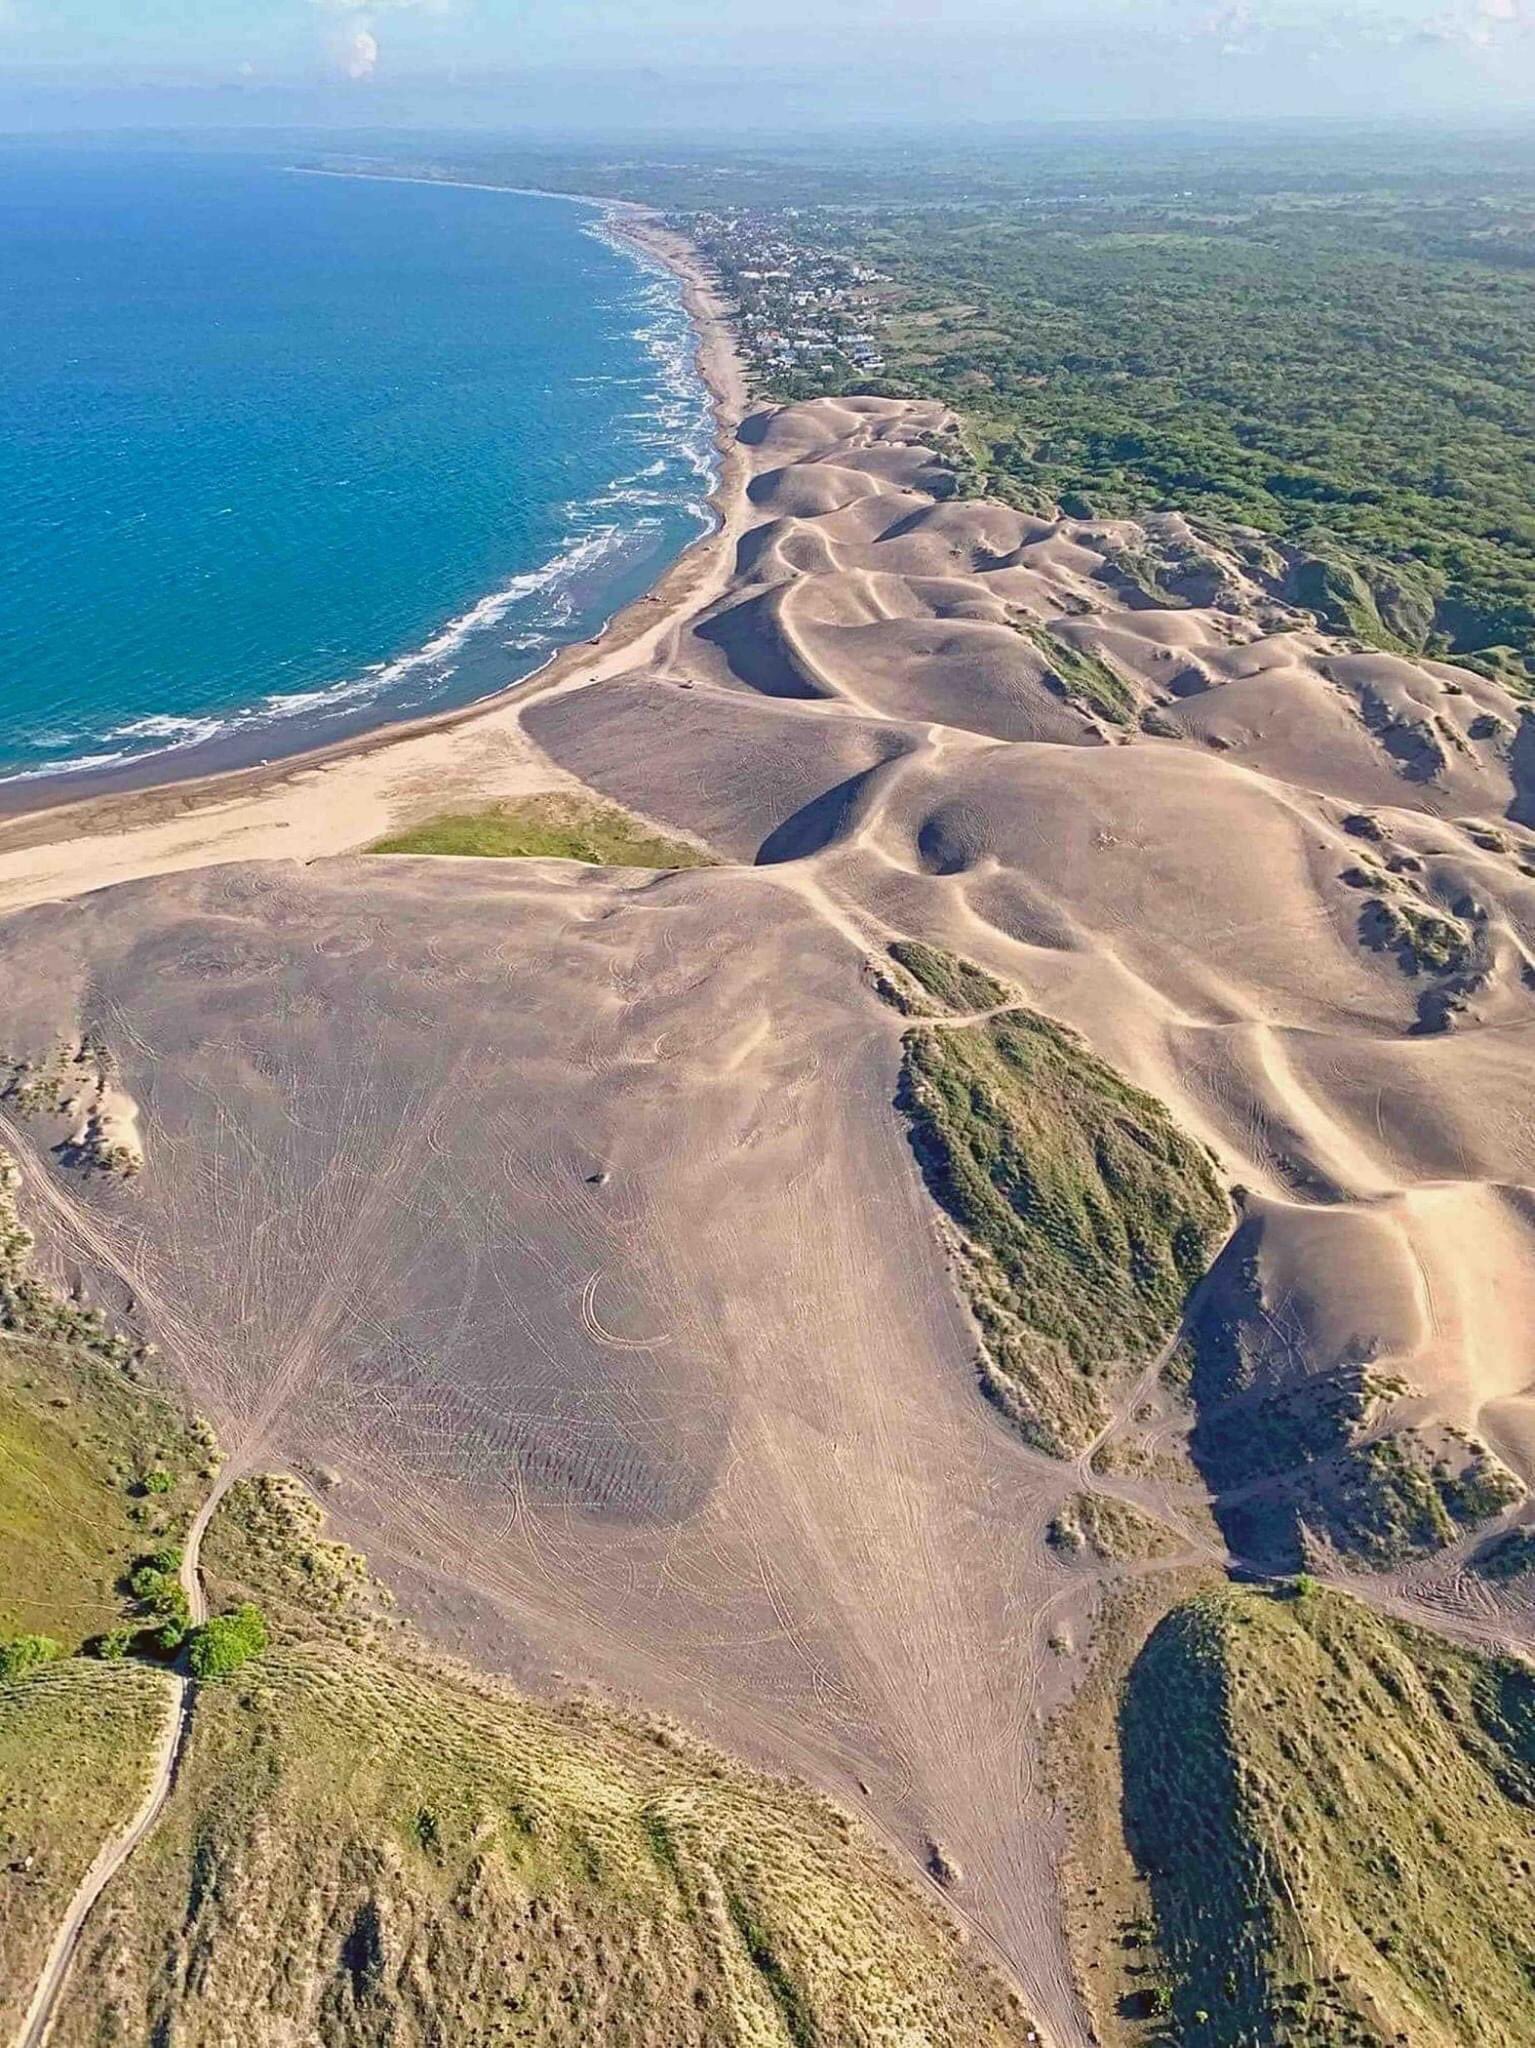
[76,1740]
[1336,1815]
[77,1438]
[955,985]
[556,827]
[1085,679]
[367,1846]
[1110,1530]
[78,1434]
[1084,1214]
[1321,1462]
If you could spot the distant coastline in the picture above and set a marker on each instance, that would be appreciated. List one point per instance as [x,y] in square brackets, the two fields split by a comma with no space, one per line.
[273,748]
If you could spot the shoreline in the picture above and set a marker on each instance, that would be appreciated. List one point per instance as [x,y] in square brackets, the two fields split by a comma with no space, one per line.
[157,788]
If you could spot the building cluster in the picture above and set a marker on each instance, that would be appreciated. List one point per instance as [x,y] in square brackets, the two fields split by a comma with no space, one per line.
[799,308]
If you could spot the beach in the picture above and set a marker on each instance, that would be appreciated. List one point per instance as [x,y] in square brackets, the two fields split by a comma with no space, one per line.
[159,816]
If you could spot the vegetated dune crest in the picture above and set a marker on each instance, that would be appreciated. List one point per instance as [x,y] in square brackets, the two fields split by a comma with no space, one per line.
[559,1223]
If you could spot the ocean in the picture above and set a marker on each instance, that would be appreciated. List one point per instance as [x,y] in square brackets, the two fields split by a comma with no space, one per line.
[283,455]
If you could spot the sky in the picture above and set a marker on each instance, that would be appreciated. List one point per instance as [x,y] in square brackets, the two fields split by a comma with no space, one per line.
[572,64]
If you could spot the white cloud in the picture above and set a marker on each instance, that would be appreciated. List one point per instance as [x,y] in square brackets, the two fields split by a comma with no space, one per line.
[360,53]
[355,45]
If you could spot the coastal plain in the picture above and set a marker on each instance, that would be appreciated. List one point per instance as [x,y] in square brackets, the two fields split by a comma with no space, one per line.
[561,1226]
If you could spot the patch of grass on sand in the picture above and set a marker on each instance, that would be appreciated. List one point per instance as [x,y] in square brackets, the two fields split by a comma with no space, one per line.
[1277,1750]
[1319,1461]
[1084,1215]
[953,984]
[76,1743]
[558,826]
[1110,1530]
[367,1843]
[1084,679]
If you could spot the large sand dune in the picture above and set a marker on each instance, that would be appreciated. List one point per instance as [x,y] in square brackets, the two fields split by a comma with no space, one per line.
[558,1223]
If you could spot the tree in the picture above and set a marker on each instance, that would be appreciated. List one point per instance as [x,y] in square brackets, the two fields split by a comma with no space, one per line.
[222,1645]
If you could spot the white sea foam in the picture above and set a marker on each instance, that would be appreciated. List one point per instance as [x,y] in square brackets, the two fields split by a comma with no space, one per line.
[175,732]
[679,426]
[76,766]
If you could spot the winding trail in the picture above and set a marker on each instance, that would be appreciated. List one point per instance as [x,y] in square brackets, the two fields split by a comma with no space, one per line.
[115,1852]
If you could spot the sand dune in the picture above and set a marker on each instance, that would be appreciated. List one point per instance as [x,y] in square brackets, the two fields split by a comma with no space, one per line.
[563,1218]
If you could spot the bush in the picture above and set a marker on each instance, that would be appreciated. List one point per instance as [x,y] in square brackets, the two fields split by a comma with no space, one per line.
[154,1584]
[158,1481]
[146,1582]
[23,1654]
[228,1641]
[113,1645]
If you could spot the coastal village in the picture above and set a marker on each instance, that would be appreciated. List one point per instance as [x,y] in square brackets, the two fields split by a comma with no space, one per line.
[798,308]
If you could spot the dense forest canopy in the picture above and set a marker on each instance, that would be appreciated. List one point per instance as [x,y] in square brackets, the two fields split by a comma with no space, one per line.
[1324,334]
[1356,379]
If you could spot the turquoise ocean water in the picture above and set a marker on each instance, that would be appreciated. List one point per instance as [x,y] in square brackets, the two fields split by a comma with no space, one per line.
[283,455]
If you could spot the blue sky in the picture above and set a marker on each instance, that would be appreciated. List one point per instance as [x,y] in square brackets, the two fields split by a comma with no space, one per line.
[604,61]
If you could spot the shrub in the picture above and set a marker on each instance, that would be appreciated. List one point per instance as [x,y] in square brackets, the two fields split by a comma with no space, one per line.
[113,1645]
[228,1641]
[158,1481]
[147,1582]
[27,1653]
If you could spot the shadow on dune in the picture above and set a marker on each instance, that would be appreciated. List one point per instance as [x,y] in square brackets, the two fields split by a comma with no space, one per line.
[830,816]
[749,637]
[1521,766]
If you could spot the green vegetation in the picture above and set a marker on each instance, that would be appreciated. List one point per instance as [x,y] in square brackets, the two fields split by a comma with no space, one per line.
[1083,1214]
[226,1643]
[1085,679]
[1423,940]
[1111,1530]
[1349,380]
[552,827]
[76,1740]
[24,1654]
[953,984]
[1400,1497]
[1320,347]
[1320,1461]
[1509,1556]
[95,1468]
[98,1476]
[368,1844]
[1271,1433]
[74,1078]
[1275,1752]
